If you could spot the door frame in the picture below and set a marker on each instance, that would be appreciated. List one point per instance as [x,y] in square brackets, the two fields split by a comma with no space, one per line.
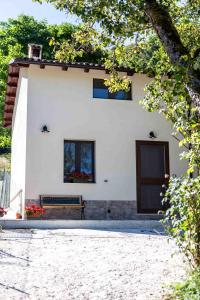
[138,170]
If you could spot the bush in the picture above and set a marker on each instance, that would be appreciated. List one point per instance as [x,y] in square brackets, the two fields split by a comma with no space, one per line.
[182,219]
[5,141]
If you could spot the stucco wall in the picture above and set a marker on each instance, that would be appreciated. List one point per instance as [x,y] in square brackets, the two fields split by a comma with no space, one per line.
[63,101]
[19,129]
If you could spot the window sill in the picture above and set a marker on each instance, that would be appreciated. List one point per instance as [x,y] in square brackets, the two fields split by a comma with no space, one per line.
[109,99]
[80,182]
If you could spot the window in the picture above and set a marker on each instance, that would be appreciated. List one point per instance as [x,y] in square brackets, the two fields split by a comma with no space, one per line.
[79,161]
[101,91]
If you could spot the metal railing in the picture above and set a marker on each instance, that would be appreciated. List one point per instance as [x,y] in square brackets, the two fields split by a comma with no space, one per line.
[18,205]
[4,189]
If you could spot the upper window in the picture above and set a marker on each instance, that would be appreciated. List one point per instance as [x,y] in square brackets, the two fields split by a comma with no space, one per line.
[79,161]
[101,91]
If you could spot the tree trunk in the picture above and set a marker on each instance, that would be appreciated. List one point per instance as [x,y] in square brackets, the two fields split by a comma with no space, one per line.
[162,23]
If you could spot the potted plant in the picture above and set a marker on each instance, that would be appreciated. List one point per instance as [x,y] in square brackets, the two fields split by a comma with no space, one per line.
[18,215]
[34,211]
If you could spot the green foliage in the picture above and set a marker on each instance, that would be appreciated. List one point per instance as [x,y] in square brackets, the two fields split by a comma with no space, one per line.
[26,29]
[83,45]
[16,34]
[125,32]
[182,219]
[187,290]
[12,51]
[170,97]
[5,141]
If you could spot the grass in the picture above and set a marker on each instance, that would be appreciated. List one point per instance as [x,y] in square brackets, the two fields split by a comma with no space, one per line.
[187,290]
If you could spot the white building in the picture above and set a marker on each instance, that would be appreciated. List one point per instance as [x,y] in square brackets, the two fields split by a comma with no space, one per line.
[70,138]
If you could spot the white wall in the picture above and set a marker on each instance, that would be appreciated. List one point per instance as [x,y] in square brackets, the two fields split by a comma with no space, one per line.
[19,128]
[62,100]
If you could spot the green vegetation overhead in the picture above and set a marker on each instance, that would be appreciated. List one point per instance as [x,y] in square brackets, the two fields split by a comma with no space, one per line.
[15,35]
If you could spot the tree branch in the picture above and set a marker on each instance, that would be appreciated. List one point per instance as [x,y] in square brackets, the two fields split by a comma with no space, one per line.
[162,23]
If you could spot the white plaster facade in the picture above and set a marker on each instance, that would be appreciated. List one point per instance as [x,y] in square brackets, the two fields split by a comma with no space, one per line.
[63,101]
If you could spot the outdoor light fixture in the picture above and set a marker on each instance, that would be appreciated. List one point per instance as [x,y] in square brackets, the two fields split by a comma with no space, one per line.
[152,135]
[45,129]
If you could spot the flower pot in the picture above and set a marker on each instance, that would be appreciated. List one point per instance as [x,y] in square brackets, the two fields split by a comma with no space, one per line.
[18,216]
[32,217]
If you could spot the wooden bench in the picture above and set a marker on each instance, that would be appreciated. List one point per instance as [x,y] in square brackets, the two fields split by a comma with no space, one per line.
[69,201]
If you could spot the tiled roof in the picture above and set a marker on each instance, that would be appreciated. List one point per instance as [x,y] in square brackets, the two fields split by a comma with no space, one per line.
[56,63]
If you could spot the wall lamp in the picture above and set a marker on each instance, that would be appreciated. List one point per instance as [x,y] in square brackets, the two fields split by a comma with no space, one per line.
[45,129]
[152,135]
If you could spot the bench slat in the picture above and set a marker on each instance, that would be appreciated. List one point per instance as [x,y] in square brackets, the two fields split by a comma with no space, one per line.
[63,206]
[60,200]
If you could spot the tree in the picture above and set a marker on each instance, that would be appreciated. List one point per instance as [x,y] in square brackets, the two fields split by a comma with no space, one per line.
[15,34]
[121,19]
[26,29]
[162,39]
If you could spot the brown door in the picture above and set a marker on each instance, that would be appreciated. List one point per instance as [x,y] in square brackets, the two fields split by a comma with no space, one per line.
[152,163]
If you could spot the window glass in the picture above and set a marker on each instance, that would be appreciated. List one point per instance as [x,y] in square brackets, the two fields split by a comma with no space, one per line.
[78,161]
[86,159]
[69,159]
[121,95]
[102,91]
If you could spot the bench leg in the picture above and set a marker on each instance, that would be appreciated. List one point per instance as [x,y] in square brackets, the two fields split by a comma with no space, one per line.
[82,214]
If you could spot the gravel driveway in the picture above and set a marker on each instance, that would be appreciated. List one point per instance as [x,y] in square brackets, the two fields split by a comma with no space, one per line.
[86,265]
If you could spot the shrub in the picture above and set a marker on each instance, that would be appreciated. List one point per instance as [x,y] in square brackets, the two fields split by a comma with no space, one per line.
[5,141]
[182,219]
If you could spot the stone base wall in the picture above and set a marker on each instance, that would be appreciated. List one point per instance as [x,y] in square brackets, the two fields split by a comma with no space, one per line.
[95,210]
[110,210]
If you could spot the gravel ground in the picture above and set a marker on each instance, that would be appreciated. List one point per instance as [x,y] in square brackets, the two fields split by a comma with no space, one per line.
[75,264]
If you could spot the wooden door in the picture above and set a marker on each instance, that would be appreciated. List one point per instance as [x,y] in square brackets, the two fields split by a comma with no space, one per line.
[152,163]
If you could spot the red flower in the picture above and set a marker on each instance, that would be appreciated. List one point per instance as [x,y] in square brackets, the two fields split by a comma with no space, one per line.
[34,211]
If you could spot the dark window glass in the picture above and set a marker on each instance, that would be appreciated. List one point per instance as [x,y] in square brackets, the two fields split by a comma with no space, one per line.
[101,91]
[69,157]
[78,161]
[86,158]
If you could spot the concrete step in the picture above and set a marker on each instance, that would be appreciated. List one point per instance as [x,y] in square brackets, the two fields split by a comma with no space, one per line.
[148,225]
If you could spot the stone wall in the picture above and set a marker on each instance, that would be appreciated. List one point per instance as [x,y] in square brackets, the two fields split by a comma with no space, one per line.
[110,210]
[96,210]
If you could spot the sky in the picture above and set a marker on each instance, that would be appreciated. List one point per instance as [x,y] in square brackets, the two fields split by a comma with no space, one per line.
[13,8]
